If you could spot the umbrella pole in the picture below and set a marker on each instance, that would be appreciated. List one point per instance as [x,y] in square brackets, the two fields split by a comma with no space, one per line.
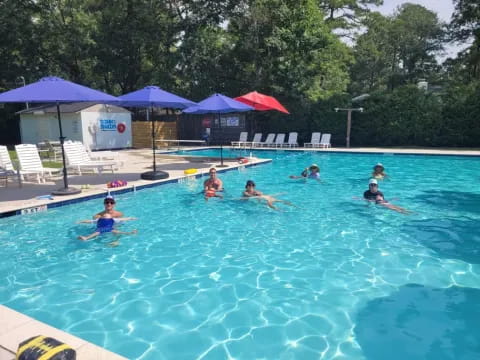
[65,190]
[153,175]
[153,140]
[221,141]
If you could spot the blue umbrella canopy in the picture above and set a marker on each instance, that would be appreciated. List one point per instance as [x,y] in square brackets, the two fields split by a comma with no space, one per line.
[53,89]
[218,104]
[155,97]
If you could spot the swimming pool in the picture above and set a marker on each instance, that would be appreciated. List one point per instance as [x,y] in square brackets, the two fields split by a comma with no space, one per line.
[222,279]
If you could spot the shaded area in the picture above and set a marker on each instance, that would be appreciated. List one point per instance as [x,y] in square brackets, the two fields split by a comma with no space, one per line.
[451,200]
[423,323]
[450,238]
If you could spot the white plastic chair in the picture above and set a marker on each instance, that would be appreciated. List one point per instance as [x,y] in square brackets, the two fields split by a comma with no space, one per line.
[315,141]
[292,140]
[78,159]
[257,139]
[242,140]
[30,163]
[6,167]
[268,141]
[279,140]
[325,141]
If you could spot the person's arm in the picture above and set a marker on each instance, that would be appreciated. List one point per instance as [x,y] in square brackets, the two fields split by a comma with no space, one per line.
[96,216]
[86,221]
[220,184]
[125,218]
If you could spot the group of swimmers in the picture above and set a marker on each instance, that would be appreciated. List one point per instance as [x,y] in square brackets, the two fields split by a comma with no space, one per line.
[213,187]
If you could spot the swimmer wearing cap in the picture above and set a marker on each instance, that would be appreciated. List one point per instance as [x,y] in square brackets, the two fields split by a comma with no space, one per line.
[379,172]
[313,174]
[109,203]
[376,196]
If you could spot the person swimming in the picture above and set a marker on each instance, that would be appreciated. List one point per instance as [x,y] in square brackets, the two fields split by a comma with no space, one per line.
[105,224]
[251,192]
[313,174]
[379,172]
[375,195]
[212,185]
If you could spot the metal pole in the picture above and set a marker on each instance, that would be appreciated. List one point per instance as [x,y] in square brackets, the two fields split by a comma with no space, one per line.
[349,126]
[24,84]
[221,140]
[153,140]
[62,140]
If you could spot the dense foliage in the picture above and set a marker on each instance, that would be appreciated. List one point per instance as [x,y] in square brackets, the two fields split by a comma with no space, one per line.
[295,50]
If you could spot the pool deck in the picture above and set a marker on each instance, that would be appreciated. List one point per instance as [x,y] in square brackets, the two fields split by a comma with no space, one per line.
[16,327]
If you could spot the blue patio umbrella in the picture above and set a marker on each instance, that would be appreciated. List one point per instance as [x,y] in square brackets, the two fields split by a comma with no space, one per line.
[56,90]
[153,96]
[218,104]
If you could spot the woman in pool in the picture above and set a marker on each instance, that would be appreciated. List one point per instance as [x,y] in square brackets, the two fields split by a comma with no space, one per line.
[105,224]
[314,173]
[251,192]
[379,172]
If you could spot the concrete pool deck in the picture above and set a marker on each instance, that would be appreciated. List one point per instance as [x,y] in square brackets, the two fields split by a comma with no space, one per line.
[16,327]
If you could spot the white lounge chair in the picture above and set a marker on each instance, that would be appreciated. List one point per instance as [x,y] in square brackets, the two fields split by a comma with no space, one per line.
[268,141]
[6,167]
[103,155]
[315,141]
[257,139]
[78,159]
[242,140]
[325,141]
[30,163]
[292,140]
[279,140]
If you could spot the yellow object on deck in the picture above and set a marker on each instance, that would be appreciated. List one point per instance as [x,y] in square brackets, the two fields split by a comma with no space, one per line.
[190,171]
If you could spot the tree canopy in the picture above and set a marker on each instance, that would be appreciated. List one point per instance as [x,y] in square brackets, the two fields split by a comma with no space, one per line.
[293,49]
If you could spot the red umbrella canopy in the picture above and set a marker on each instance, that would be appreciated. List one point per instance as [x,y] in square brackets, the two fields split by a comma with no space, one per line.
[261,102]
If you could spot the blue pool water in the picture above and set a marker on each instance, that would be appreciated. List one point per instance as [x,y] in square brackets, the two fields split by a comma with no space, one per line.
[226,279]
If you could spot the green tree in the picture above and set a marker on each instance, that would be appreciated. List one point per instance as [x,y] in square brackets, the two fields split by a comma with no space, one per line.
[397,50]
[466,25]
[346,14]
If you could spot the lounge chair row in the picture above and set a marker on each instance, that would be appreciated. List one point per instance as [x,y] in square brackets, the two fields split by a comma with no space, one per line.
[278,140]
[30,164]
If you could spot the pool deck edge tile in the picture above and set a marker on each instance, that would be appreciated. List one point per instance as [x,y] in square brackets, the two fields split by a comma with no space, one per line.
[22,327]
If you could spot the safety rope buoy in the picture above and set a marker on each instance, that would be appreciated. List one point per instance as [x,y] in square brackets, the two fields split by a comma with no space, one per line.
[190,171]
[121,128]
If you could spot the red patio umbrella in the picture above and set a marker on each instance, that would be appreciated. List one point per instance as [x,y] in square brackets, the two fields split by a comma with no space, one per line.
[261,102]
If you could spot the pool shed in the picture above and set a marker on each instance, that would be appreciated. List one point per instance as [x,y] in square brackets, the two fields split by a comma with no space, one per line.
[99,126]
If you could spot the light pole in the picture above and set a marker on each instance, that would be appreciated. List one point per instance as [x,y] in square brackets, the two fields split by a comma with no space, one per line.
[349,120]
[24,84]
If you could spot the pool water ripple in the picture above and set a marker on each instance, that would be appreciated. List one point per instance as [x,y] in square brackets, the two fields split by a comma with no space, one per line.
[232,279]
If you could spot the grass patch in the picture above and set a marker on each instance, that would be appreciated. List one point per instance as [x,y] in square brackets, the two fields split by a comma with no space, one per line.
[46,163]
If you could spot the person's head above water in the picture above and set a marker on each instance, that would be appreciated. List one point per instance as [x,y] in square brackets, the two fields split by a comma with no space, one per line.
[250,183]
[378,168]
[314,167]
[109,202]
[373,185]
[212,172]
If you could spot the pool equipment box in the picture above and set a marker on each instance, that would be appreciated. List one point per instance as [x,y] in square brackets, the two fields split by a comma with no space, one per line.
[98,126]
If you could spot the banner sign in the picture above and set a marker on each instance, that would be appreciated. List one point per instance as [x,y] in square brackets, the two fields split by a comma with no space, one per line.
[108,125]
